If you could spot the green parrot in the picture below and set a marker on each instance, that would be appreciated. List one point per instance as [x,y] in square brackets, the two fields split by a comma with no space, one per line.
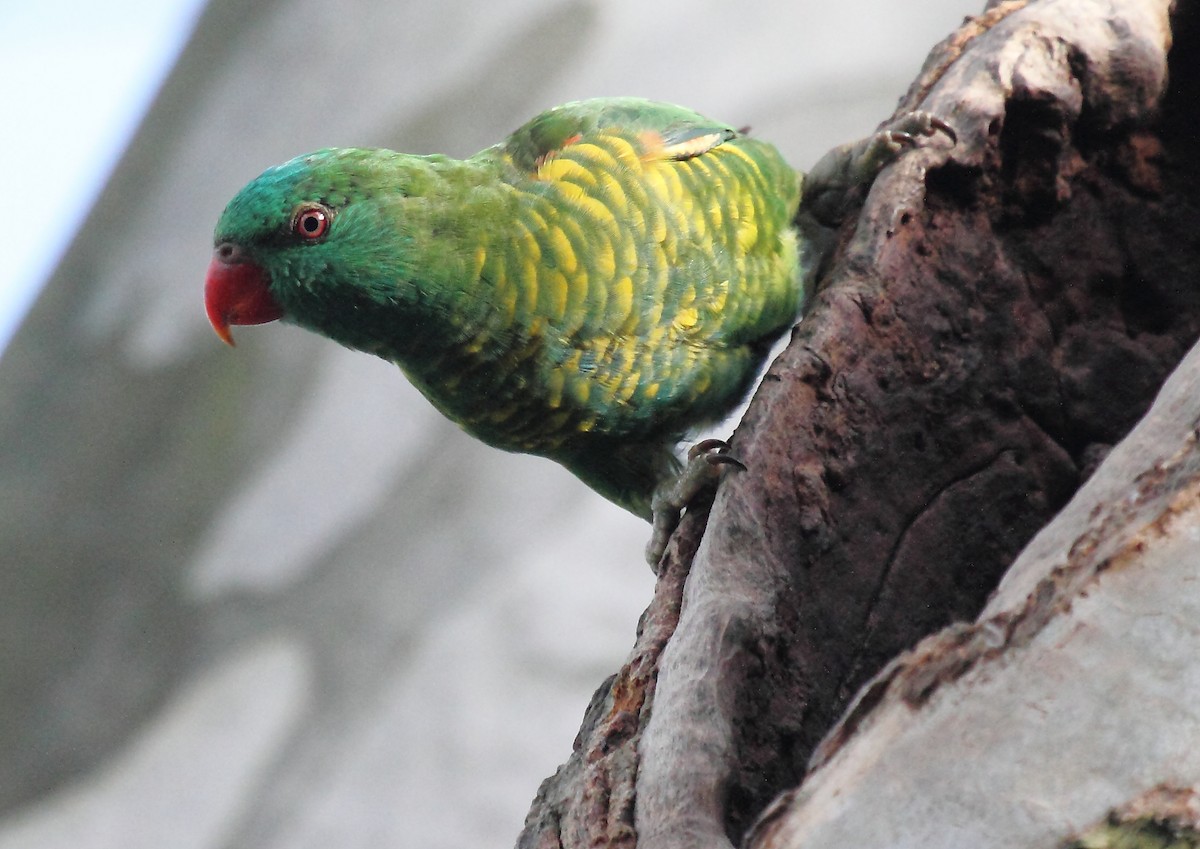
[592,290]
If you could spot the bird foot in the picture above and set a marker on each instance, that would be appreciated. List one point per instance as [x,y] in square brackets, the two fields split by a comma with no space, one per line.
[903,133]
[707,461]
[830,183]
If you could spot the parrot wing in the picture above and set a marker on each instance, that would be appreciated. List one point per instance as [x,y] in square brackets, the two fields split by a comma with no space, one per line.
[667,131]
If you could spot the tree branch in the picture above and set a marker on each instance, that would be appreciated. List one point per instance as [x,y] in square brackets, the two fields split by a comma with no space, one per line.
[995,316]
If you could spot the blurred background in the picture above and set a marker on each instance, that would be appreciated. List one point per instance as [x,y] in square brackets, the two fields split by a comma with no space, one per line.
[267,597]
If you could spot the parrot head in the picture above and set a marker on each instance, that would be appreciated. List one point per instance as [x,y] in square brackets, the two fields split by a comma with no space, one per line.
[293,239]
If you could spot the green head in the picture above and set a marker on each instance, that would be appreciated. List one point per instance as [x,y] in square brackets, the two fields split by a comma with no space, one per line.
[311,239]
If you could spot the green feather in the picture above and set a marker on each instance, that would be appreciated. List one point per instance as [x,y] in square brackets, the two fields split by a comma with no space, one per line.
[592,289]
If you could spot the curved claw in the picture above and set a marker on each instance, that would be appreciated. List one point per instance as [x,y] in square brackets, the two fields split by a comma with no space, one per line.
[921,123]
[715,453]
[900,138]
[725,460]
[706,464]
[707,446]
[938,124]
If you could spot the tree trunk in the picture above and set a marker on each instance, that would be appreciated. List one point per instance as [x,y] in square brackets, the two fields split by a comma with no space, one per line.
[998,314]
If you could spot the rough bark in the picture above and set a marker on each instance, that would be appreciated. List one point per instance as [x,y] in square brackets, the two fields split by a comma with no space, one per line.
[997,315]
[1071,701]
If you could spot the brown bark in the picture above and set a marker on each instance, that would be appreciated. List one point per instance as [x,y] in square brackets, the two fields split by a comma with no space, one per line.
[997,315]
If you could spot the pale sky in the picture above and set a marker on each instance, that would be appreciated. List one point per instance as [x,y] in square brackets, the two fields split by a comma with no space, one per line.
[79,76]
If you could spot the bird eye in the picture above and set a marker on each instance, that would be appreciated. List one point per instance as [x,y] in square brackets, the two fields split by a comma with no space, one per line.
[311,221]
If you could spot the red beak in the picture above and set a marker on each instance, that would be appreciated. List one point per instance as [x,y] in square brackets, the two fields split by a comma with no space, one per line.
[235,292]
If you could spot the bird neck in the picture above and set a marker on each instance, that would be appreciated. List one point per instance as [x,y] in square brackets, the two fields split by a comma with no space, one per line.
[418,292]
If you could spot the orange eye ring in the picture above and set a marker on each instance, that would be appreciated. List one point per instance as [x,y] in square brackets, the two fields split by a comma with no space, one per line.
[311,221]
